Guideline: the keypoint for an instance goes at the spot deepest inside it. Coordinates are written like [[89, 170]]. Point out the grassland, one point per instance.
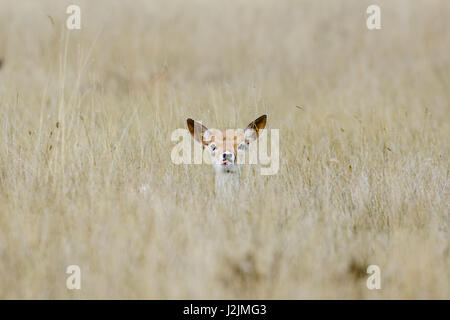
[[86, 118]]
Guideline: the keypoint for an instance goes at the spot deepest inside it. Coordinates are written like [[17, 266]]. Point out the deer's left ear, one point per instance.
[[198, 131], [254, 128]]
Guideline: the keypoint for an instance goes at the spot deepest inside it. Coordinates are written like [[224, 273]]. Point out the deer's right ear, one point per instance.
[[197, 131], [253, 129]]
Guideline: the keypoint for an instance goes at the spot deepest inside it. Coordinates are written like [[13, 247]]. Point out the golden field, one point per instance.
[[86, 118]]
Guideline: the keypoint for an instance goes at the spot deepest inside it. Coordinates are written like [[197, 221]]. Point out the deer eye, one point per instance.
[[213, 147], [242, 146]]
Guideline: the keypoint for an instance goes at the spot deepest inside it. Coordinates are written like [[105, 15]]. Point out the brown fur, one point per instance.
[[229, 140]]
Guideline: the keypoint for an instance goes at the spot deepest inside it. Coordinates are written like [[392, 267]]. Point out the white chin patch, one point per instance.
[[225, 168]]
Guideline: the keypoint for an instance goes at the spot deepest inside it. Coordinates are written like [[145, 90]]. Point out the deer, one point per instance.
[[225, 149]]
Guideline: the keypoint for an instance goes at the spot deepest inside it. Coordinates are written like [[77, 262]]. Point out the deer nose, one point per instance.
[[228, 156]]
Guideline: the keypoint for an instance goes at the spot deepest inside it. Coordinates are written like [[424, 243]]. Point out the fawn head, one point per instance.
[[224, 145]]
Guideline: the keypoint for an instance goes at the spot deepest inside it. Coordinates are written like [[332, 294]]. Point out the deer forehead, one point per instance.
[[227, 140]]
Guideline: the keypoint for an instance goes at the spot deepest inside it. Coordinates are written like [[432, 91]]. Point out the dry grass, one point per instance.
[[86, 117]]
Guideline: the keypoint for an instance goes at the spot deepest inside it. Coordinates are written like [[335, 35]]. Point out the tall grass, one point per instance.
[[86, 118]]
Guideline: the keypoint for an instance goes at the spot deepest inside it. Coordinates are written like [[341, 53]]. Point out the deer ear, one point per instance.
[[253, 129], [197, 131]]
